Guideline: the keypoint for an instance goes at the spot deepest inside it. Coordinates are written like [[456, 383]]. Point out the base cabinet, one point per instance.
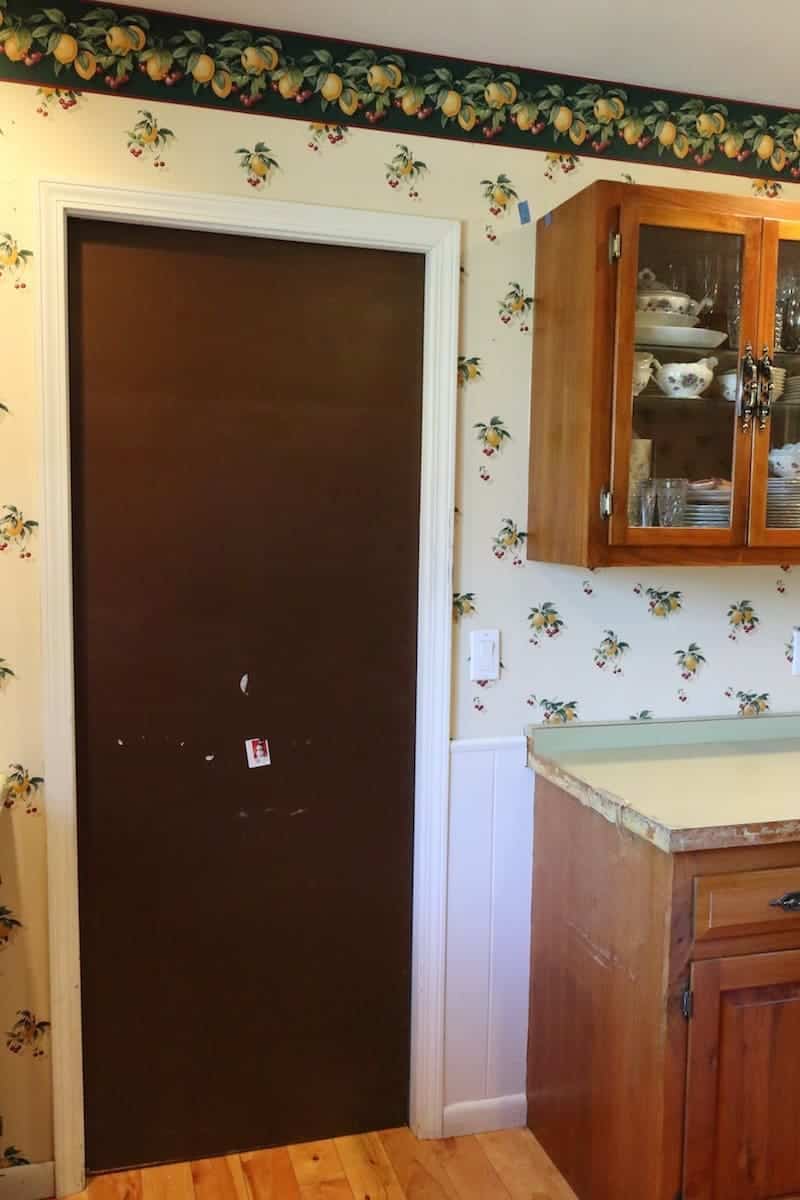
[[664, 1043]]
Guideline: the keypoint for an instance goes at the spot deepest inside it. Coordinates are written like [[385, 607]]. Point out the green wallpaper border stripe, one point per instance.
[[165, 57]]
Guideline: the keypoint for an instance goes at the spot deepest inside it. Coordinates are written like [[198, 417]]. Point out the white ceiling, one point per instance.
[[736, 49]]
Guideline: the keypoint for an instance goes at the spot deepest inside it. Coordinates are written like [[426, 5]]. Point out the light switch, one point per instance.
[[796, 650], [484, 646]]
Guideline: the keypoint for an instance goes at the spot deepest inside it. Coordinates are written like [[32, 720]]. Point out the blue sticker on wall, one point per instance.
[[524, 210]]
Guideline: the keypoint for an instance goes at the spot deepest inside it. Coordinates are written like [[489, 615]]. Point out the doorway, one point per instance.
[[440, 282]]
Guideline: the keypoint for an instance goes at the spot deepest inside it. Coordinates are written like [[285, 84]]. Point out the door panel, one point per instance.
[[743, 1119], [687, 305], [245, 456], [775, 508]]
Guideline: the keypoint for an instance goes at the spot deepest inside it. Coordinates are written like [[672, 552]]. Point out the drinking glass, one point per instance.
[[734, 313], [671, 501], [647, 501]]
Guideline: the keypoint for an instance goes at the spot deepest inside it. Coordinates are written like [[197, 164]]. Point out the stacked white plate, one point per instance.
[[792, 389], [779, 382], [783, 503], [708, 508]]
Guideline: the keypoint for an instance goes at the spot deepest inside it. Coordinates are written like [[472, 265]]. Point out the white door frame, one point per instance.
[[439, 241]]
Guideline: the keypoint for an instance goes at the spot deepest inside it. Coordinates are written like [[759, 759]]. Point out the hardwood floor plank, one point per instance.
[[219, 1179], [120, 1185], [523, 1166], [319, 1171], [170, 1182], [470, 1171], [368, 1169], [419, 1172], [269, 1175]]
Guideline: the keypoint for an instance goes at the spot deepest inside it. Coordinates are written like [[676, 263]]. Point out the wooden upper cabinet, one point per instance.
[[666, 380], [742, 1116]]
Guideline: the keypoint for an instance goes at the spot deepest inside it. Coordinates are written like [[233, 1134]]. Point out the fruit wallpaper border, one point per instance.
[[161, 56]]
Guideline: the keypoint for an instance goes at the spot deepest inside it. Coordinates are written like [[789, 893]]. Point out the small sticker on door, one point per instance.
[[257, 750]]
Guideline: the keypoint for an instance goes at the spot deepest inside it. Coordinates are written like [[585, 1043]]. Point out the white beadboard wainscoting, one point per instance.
[[488, 935]]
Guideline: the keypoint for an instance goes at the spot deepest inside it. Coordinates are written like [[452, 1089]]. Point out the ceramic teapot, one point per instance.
[[643, 367], [686, 381], [656, 299]]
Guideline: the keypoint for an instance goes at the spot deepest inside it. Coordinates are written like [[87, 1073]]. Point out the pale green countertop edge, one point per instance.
[[546, 743]]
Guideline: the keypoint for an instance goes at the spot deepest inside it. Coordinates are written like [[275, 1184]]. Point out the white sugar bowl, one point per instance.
[[686, 381]]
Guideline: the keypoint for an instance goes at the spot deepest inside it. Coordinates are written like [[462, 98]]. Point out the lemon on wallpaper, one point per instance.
[[22, 788], [258, 163]]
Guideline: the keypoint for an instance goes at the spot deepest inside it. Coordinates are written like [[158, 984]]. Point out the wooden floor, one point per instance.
[[391, 1165]]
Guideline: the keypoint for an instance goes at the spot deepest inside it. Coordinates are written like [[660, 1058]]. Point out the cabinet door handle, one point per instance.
[[766, 387], [749, 389], [789, 903]]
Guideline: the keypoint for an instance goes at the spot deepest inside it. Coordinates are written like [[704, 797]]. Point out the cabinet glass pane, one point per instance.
[[685, 375], [783, 485]]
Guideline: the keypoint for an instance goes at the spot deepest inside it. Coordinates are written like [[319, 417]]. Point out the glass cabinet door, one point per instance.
[[775, 505], [687, 306]]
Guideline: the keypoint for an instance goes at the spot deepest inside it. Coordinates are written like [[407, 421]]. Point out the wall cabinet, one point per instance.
[[664, 1034], [665, 420]]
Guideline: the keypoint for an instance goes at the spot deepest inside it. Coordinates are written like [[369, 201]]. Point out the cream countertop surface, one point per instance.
[[683, 785]]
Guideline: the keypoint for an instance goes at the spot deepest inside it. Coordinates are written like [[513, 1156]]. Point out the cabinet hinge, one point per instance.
[[614, 246], [687, 1004], [606, 503]]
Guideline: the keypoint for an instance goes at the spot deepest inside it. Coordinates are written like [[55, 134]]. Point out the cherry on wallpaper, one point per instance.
[[468, 369], [563, 163], [611, 652], [463, 605], [9, 926], [690, 660], [492, 437], [500, 193], [752, 704], [322, 132], [742, 618], [22, 788], [509, 541], [661, 603], [406, 172], [555, 712], [149, 138], [258, 163], [515, 308], [52, 98], [12, 1157], [16, 531], [544, 620], [29, 1032], [13, 260]]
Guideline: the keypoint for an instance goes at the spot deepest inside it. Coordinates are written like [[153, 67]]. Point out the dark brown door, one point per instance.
[[245, 457], [743, 1109]]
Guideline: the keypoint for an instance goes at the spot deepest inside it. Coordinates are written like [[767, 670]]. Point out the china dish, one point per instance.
[[654, 297], [686, 381], [677, 337]]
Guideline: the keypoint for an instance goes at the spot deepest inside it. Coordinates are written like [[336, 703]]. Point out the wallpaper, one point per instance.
[[220, 65], [576, 645]]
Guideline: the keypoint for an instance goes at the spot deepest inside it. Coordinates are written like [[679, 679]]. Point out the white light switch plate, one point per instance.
[[484, 647]]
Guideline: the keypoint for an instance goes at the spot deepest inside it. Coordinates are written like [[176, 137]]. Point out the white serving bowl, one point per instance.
[[729, 385]]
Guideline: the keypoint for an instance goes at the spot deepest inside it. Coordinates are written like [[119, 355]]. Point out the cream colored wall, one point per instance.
[[89, 142]]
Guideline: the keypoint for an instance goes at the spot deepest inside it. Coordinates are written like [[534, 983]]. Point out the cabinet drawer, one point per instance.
[[739, 905]]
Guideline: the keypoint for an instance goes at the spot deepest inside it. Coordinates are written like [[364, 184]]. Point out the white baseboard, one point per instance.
[[34, 1182], [483, 1116]]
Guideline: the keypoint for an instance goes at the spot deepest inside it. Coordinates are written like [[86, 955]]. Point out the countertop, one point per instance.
[[682, 785]]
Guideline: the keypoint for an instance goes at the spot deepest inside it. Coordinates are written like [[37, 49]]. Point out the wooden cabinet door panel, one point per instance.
[[743, 1097]]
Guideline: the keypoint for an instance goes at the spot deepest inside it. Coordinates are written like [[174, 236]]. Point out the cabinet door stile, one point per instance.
[[676, 423]]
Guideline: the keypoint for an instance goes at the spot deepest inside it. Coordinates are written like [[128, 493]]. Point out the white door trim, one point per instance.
[[439, 241]]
